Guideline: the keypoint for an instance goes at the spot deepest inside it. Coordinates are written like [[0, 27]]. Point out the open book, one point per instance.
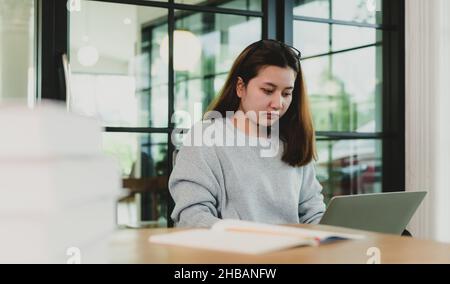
[[237, 236]]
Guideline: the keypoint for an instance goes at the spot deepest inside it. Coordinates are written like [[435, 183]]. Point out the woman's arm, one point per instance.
[[194, 188], [311, 206]]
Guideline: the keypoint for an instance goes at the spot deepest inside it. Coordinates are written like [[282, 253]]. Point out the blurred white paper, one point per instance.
[[46, 130], [58, 190]]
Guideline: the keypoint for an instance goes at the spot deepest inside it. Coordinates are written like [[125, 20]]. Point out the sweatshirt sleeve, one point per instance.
[[194, 187], [311, 206]]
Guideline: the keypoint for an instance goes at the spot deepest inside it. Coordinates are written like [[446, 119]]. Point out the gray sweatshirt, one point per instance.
[[218, 181]]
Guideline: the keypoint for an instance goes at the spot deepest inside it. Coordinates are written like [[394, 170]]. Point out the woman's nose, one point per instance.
[[277, 101]]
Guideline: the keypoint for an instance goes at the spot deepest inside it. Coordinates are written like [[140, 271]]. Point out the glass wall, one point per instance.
[[111, 77], [122, 78], [249, 5], [125, 79], [219, 40], [349, 166], [17, 51], [342, 48], [361, 11]]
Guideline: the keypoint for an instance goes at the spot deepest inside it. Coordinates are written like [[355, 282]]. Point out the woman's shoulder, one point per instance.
[[199, 133], [194, 143], [308, 167]]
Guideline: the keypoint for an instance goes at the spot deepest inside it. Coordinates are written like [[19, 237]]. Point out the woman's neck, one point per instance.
[[247, 126]]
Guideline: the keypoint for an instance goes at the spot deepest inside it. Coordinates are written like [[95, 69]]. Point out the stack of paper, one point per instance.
[[58, 191], [46, 131]]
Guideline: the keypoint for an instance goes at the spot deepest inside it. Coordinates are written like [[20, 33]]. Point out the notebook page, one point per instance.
[[233, 242], [247, 226]]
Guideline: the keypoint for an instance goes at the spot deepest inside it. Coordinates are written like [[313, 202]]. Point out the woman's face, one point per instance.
[[267, 96]]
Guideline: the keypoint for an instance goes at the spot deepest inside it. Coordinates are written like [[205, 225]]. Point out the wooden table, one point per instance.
[[132, 246]]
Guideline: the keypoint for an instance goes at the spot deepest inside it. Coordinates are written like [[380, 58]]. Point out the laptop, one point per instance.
[[380, 212]]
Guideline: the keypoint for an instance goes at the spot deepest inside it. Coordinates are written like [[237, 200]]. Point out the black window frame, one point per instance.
[[392, 135], [277, 23]]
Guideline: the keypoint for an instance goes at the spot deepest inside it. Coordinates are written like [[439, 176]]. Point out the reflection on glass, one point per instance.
[[155, 99], [344, 37], [312, 8], [17, 46], [143, 160], [311, 38], [113, 73], [349, 167], [249, 5], [222, 38], [317, 38], [363, 11], [345, 90]]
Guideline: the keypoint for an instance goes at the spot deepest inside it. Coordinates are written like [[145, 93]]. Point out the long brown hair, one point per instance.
[[296, 125]]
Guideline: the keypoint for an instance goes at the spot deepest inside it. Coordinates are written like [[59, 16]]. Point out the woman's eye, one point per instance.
[[267, 91], [287, 94]]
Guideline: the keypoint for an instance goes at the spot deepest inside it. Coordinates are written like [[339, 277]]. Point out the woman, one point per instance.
[[266, 96]]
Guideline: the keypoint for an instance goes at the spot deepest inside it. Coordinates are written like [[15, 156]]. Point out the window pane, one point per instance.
[[312, 8], [119, 76], [311, 38], [143, 160], [363, 11], [155, 99], [345, 37], [349, 167], [249, 5], [215, 41], [17, 46], [314, 38], [343, 98]]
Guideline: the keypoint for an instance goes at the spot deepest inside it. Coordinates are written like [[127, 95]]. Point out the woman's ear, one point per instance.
[[240, 87]]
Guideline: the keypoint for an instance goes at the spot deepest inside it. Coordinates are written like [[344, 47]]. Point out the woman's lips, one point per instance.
[[272, 115]]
